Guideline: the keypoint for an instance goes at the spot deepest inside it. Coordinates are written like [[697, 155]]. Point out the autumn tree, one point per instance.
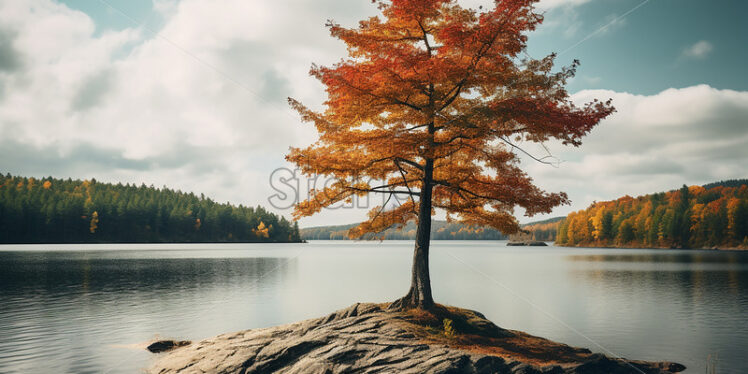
[[433, 105]]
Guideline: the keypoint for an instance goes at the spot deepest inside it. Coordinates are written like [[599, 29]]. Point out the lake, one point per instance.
[[91, 308]]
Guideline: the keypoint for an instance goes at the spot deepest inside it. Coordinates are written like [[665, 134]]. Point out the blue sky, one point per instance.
[[191, 93], [644, 52], [107, 18]]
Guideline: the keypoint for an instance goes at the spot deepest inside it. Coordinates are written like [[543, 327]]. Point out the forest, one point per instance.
[[440, 230], [710, 216], [544, 230], [50, 210]]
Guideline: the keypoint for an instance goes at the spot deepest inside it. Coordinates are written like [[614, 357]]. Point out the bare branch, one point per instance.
[[402, 173], [349, 188], [395, 184], [381, 209], [540, 160], [409, 162]]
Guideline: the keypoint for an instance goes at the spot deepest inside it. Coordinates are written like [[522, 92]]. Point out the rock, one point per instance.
[[369, 338], [166, 345], [528, 243]]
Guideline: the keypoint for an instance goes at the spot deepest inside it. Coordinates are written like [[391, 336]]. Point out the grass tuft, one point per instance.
[[449, 331]]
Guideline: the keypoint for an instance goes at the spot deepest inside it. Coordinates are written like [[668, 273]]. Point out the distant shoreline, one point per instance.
[[80, 243], [740, 248], [127, 243]]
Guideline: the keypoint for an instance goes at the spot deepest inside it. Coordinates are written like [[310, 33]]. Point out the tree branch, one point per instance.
[[409, 162], [540, 160], [380, 191], [391, 99], [473, 64], [458, 188], [402, 173]]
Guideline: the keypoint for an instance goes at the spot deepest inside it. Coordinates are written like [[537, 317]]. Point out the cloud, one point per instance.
[[9, 58], [692, 135], [93, 90], [562, 19], [699, 50]]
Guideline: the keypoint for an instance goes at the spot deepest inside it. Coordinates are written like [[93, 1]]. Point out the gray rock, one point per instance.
[[166, 345], [365, 338]]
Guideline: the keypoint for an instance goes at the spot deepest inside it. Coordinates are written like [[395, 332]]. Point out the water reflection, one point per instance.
[[667, 256], [691, 303], [65, 312], [20, 274]]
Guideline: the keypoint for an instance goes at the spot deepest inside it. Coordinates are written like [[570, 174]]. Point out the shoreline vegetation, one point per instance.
[[713, 216], [372, 338], [66, 211], [440, 230]]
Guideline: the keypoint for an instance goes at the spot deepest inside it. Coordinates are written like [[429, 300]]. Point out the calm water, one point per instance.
[[90, 308]]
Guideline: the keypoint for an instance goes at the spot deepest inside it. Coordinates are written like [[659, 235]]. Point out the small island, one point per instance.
[[527, 243], [374, 338]]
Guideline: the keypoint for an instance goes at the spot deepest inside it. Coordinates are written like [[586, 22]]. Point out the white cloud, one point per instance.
[[698, 50], [692, 135]]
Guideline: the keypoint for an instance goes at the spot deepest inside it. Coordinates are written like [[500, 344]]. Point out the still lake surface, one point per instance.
[[91, 308]]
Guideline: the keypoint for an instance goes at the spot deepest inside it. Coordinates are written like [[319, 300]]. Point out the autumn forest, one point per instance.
[[709, 216]]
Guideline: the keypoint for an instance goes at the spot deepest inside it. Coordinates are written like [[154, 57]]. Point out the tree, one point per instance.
[[432, 106], [607, 224], [682, 225], [94, 222]]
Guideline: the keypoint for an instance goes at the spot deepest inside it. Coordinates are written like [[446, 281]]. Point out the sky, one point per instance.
[[191, 94]]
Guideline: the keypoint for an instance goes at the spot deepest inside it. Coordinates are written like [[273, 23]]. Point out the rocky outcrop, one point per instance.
[[366, 338], [166, 345], [527, 243]]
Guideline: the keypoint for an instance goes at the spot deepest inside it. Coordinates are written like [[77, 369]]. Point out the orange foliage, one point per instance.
[[689, 217], [433, 103], [262, 231], [94, 222]]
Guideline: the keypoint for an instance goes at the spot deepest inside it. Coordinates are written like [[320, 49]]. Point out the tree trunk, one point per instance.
[[419, 295]]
